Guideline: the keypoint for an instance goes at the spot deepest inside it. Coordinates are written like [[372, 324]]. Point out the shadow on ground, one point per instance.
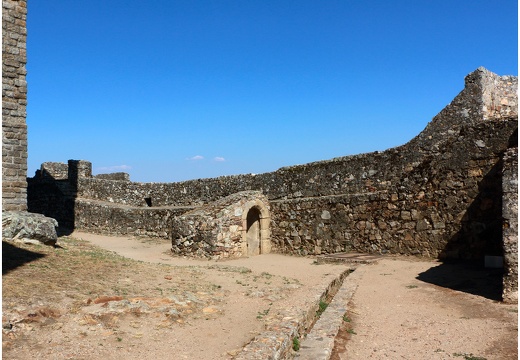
[[13, 257], [466, 277]]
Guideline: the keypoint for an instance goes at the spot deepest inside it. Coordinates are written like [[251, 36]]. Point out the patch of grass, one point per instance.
[[261, 314], [412, 286], [266, 275], [296, 343], [81, 271], [322, 306], [351, 331], [346, 318]]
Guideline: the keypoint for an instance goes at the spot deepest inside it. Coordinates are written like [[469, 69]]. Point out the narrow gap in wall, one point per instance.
[[148, 201]]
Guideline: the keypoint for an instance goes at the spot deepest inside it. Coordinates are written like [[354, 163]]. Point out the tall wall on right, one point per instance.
[[510, 225]]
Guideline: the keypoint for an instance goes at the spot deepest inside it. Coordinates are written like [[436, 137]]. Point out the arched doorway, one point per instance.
[[253, 232], [256, 236]]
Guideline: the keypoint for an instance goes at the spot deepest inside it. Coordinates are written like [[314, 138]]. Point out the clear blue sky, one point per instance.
[[171, 90]]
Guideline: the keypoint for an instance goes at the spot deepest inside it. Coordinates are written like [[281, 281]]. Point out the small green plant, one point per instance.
[[351, 331], [346, 318], [119, 339], [322, 306], [296, 343], [411, 286], [261, 314], [266, 275]]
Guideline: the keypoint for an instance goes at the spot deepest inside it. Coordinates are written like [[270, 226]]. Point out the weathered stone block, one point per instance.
[[29, 228]]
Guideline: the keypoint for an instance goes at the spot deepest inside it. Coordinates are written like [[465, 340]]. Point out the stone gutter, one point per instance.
[[277, 341], [319, 343]]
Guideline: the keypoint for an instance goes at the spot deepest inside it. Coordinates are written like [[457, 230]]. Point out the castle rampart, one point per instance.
[[439, 195]]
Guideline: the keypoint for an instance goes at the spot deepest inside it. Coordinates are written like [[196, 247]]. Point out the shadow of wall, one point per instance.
[[480, 235], [13, 257], [480, 232], [466, 277]]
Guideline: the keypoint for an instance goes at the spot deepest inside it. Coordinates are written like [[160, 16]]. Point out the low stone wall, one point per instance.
[[114, 219]]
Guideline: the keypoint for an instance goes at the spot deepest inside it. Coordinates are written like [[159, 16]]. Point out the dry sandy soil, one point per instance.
[[114, 297], [406, 309]]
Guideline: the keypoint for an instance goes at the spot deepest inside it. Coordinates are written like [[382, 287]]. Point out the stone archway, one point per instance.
[[255, 228]]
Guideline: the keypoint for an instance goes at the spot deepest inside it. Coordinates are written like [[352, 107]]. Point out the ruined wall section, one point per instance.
[[50, 193], [217, 230], [14, 102]]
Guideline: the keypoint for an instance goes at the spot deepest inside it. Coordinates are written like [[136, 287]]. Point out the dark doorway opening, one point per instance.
[[253, 232]]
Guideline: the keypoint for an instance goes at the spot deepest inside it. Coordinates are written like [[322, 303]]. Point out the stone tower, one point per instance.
[[14, 102]]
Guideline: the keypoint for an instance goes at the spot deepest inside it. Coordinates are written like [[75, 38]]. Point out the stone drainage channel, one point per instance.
[[315, 329]]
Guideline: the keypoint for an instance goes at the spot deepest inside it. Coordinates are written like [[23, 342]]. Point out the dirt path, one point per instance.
[[226, 335], [398, 312]]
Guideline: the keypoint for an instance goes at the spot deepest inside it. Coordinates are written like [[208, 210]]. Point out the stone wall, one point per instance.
[[439, 195], [510, 226], [14, 102], [121, 176]]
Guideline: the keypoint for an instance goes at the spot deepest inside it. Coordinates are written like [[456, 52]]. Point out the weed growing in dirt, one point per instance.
[[266, 275], [296, 343], [351, 331], [346, 318], [412, 286], [261, 314], [322, 306]]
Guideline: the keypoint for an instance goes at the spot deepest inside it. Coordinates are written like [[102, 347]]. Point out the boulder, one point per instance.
[[29, 227]]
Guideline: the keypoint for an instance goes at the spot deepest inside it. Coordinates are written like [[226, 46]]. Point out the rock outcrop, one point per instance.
[[29, 228]]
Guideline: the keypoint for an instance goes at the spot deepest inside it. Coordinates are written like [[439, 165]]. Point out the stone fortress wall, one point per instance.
[[451, 192], [440, 195], [14, 102]]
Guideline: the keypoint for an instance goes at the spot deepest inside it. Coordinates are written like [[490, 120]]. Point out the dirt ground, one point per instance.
[[114, 297], [135, 301], [411, 309]]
